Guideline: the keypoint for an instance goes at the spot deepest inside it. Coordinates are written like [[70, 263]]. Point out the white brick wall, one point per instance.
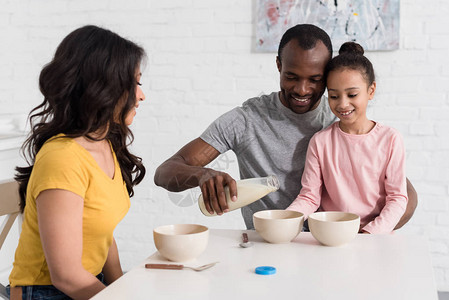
[[201, 64]]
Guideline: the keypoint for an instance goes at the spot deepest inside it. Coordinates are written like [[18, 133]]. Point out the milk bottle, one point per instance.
[[248, 191]]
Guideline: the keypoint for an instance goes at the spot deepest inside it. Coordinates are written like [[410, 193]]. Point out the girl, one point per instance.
[[81, 174], [355, 165]]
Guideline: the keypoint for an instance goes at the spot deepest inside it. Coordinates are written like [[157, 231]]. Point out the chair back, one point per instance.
[[9, 206]]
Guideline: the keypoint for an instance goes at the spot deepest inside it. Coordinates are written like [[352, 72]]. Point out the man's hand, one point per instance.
[[212, 184]]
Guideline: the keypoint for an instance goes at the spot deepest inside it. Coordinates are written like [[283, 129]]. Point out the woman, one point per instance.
[[81, 174]]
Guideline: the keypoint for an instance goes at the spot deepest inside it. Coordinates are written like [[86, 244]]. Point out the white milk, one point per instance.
[[248, 191]]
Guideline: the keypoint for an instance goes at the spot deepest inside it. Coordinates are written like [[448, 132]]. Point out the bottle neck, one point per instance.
[[273, 182]]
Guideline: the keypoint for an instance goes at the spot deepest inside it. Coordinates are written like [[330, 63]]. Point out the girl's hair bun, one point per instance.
[[351, 48]]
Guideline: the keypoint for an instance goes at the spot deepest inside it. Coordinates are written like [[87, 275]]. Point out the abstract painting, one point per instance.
[[374, 24]]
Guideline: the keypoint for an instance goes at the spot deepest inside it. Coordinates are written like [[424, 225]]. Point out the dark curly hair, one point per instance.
[[93, 72], [351, 56]]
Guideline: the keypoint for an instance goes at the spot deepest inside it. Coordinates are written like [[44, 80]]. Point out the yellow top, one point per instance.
[[64, 164]]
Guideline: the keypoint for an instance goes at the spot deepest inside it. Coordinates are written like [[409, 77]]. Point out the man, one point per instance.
[[269, 134]]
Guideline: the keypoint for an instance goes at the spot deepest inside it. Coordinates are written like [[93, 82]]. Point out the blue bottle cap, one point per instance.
[[265, 270]]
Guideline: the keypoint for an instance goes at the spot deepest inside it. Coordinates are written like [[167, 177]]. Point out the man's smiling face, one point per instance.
[[302, 75]]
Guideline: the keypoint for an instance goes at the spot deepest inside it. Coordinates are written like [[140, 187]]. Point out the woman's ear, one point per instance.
[[372, 90]]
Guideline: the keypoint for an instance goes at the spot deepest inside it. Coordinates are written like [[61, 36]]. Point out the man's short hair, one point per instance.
[[307, 35]]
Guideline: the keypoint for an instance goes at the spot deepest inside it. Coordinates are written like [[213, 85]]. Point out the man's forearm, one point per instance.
[[176, 176]]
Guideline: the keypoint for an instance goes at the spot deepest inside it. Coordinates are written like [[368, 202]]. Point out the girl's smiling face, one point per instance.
[[349, 94]]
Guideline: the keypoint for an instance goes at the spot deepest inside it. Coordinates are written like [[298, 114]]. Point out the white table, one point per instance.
[[370, 267]]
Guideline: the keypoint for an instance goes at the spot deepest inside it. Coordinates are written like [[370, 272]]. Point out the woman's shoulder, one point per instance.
[[58, 148], [61, 164]]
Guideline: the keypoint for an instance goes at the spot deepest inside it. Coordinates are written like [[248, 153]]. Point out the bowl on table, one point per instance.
[[278, 226], [181, 242], [333, 228]]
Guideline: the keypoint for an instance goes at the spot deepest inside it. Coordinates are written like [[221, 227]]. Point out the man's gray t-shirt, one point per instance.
[[268, 139]]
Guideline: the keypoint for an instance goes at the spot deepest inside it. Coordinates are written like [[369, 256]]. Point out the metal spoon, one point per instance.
[[245, 243]]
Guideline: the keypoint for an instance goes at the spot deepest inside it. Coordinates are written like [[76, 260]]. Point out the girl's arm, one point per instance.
[[396, 191], [60, 217], [411, 205], [112, 269], [309, 198]]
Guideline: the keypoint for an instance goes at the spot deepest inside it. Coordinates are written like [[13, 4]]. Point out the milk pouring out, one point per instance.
[[248, 191]]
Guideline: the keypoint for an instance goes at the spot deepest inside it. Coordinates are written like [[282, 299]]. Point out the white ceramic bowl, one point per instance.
[[332, 228], [278, 226], [181, 242]]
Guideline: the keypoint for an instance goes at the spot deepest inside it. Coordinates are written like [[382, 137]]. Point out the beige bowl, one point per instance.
[[278, 226], [181, 242], [333, 228]]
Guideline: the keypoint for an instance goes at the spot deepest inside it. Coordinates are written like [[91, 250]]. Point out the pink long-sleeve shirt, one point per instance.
[[363, 174]]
